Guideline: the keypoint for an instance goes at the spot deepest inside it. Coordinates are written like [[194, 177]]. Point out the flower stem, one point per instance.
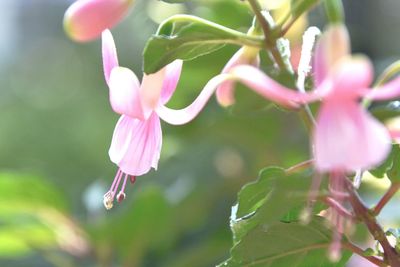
[[394, 187], [270, 41], [361, 211]]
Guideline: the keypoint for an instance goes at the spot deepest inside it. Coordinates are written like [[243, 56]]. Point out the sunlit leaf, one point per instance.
[[187, 37], [285, 244]]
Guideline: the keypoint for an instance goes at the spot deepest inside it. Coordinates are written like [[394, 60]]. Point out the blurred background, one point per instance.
[[56, 126]]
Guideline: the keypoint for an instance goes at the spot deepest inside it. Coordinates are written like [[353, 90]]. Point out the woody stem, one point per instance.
[[362, 212]]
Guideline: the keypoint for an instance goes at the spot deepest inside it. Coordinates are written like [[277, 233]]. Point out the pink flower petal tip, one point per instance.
[[85, 20]]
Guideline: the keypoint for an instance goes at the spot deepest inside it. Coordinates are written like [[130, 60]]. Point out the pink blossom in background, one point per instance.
[[137, 138], [85, 20], [346, 137]]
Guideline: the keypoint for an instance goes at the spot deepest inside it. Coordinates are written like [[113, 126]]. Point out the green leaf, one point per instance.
[[299, 7], [394, 172], [269, 199], [285, 244], [386, 110], [334, 11], [390, 166], [187, 37]]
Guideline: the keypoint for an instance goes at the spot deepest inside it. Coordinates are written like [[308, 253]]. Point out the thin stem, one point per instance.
[[394, 187], [269, 41], [360, 252], [374, 228]]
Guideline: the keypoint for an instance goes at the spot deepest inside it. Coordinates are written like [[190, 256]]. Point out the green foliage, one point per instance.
[[386, 110], [188, 37], [265, 226], [334, 11], [390, 166], [32, 214], [285, 244]]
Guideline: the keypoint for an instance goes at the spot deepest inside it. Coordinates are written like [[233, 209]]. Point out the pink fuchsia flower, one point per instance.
[[346, 137], [85, 20], [137, 138]]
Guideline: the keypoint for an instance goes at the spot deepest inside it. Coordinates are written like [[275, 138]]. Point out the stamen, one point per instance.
[[121, 195], [108, 198]]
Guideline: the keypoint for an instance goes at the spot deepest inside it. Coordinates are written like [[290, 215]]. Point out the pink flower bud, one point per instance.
[[85, 20]]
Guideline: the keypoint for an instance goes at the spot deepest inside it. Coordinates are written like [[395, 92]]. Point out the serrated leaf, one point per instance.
[[269, 199], [285, 244], [187, 37]]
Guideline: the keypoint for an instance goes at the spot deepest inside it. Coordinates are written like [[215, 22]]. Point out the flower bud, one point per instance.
[[85, 20]]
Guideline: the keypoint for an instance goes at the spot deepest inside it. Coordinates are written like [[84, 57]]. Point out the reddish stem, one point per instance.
[[394, 187]]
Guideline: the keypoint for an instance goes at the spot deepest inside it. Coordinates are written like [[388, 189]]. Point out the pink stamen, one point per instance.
[[111, 194]]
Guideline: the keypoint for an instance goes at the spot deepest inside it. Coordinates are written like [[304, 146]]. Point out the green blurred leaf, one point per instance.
[[334, 11], [390, 166], [20, 193], [386, 110], [285, 244], [187, 37], [148, 225]]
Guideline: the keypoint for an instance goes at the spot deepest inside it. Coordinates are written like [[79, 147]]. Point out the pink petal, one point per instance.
[[150, 89], [348, 138], [136, 144], [178, 117], [386, 92], [256, 80], [109, 52], [124, 93], [225, 92], [172, 75], [351, 76], [331, 47], [86, 19]]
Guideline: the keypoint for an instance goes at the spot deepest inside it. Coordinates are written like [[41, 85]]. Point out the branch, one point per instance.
[[270, 42], [394, 187], [374, 228], [360, 252]]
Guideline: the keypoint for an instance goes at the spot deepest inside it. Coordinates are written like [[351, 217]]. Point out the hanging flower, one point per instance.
[[137, 138], [85, 20], [346, 137]]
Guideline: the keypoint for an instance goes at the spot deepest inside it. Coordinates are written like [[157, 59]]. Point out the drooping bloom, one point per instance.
[[137, 138], [346, 138], [85, 20]]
